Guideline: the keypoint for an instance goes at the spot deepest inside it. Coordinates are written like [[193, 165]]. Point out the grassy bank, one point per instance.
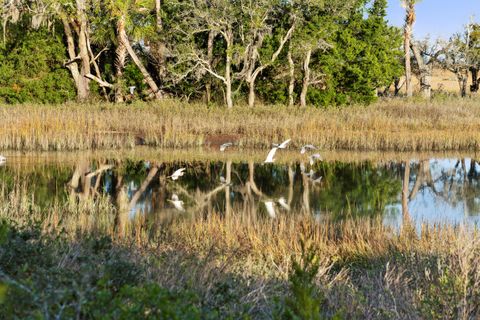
[[395, 125], [75, 260]]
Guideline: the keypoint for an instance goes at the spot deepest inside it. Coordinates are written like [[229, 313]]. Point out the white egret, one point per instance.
[[225, 146], [177, 203], [271, 155], [282, 145], [307, 147], [177, 174], [2, 159], [283, 203], [270, 205]]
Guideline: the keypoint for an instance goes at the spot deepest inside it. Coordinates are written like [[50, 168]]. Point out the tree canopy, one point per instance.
[[327, 52]]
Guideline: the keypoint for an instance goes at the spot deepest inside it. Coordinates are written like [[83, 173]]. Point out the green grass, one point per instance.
[[392, 125]]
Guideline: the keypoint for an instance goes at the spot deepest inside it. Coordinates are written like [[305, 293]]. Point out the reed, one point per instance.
[[390, 125]]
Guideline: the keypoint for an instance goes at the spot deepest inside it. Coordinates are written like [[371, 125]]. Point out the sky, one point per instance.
[[436, 18]]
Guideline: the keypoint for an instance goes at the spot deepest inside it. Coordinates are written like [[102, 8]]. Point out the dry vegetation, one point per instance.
[[393, 125], [242, 263]]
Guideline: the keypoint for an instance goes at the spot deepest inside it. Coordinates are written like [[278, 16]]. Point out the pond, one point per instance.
[[434, 190]]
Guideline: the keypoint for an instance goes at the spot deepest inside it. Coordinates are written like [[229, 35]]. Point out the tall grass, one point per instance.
[[393, 125], [363, 268]]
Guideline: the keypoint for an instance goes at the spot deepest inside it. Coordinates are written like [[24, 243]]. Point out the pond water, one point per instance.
[[430, 190]]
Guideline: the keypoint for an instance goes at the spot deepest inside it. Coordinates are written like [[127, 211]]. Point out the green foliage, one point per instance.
[[305, 299], [46, 276], [439, 301], [144, 302], [32, 71], [365, 56]]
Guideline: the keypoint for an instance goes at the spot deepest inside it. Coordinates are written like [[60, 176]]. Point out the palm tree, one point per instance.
[[122, 12], [409, 6]]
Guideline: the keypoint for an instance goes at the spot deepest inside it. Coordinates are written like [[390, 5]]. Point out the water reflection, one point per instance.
[[428, 190]]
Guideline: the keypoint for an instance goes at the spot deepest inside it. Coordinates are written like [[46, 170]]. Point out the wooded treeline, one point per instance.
[[290, 52], [329, 52]]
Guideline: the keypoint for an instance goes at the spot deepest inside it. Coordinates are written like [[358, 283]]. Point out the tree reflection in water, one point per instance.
[[140, 189]]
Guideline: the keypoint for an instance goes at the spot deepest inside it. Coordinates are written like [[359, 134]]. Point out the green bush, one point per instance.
[[31, 69]]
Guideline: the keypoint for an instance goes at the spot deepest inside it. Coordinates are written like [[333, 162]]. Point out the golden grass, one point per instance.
[[393, 125], [401, 273]]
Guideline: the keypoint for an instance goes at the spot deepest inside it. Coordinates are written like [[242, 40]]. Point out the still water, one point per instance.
[[436, 190]]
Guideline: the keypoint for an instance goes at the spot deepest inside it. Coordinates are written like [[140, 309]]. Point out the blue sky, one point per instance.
[[437, 18]]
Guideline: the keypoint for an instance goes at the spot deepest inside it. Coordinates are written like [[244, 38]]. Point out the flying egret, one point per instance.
[[177, 203], [271, 155], [307, 147], [283, 203], [225, 146], [282, 145], [177, 174], [270, 205], [315, 157]]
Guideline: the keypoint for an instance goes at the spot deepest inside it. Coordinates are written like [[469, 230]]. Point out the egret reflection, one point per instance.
[[425, 190]]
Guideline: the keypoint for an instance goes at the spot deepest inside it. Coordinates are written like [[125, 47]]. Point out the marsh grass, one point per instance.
[[393, 125], [241, 264]]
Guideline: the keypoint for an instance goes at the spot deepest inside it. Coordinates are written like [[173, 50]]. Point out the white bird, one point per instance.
[[282, 145], [271, 155], [307, 147], [177, 174], [2, 159], [315, 157], [177, 203], [270, 205], [225, 146], [283, 203], [223, 180]]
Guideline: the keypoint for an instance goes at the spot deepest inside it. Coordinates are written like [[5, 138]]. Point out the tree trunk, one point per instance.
[[81, 83], [228, 178], [158, 47], [306, 79], [405, 192], [475, 85], [251, 93], [409, 21], [228, 70], [208, 86], [462, 78], [120, 59], [83, 48], [72, 65], [291, 85], [425, 73], [146, 76]]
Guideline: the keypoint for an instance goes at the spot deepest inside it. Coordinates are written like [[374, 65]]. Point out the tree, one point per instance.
[[454, 57], [426, 56], [259, 24], [407, 35], [122, 13]]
